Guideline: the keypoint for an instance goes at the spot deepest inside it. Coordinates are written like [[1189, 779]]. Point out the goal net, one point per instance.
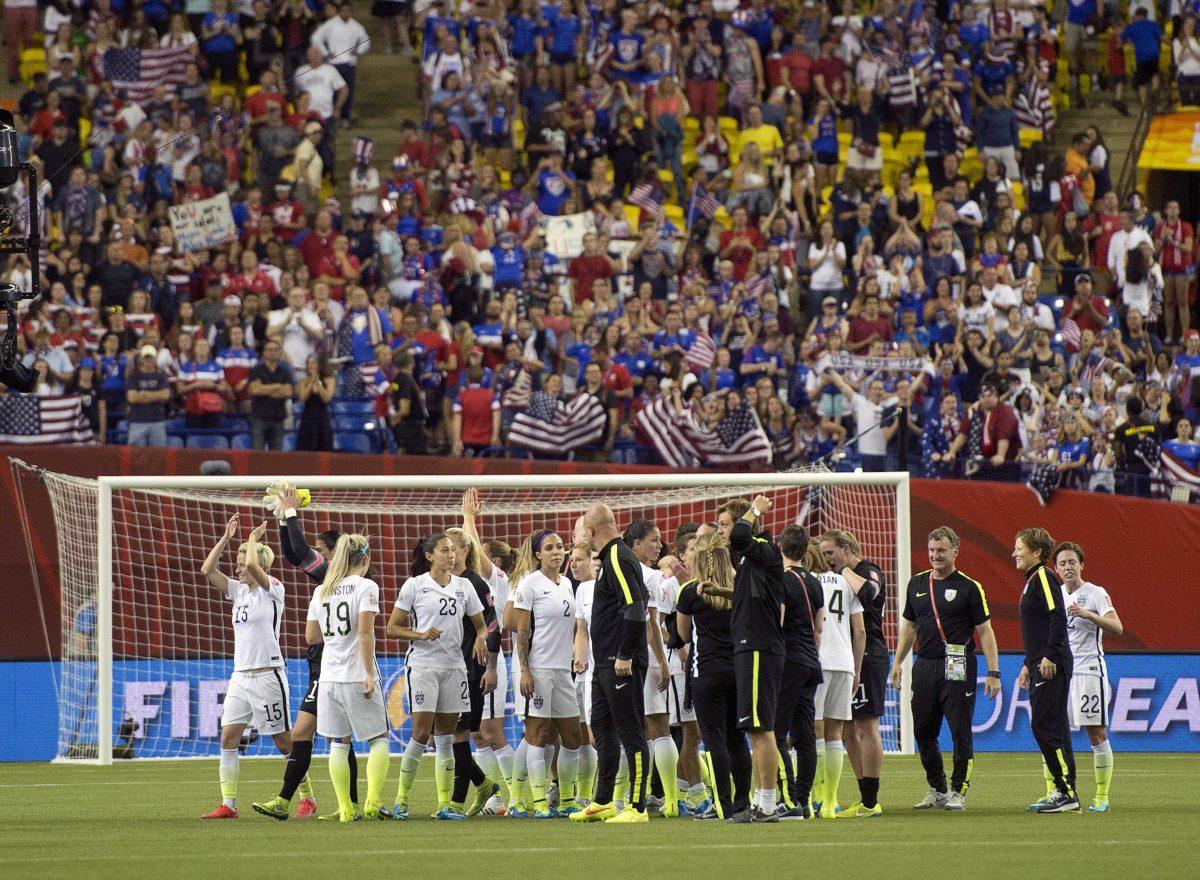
[[147, 644]]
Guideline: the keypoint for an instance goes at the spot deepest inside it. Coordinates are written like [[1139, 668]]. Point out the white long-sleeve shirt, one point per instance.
[[342, 41]]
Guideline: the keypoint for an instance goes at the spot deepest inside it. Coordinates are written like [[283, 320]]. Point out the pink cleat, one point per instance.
[[221, 812], [307, 808]]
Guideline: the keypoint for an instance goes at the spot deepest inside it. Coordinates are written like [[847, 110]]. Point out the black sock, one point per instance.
[[477, 775], [462, 771], [862, 789], [353, 775], [297, 766], [869, 786]]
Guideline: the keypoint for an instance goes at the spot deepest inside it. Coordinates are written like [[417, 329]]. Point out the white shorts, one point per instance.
[[677, 711], [583, 696], [653, 699], [443, 691], [833, 695], [1088, 703], [553, 695], [495, 703], [342, 710], [258, 697]]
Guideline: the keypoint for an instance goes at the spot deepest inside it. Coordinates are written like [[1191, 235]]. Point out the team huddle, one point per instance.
[[727, 676]]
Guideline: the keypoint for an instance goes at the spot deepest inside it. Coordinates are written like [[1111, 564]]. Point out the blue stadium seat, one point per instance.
[[289, 441], [198, 440], [174, 441], [241, 441], [344, 441], [177, 426], [354, 406], [354, 423], [235, 424]]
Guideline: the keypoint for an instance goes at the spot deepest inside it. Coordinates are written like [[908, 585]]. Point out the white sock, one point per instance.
[[516, 791], [410, 763], [229, 777], [754, 798], [443, 747], [766, 800], [486, 759], [504, 758], [568, 769], [537, 773]]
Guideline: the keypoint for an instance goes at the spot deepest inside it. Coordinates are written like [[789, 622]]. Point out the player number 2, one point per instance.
[[835, 605], [566, 608]]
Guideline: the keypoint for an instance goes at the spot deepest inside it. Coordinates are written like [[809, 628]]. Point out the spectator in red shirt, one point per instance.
[[587, 267], [251, 277], [1099, 228], [317, 246], [1174, 239], [268, 93], [739, 243], [830, 79], [990, 433], [286, 213], [868, 326], [475, 424], [1088, 311], [615, 377]]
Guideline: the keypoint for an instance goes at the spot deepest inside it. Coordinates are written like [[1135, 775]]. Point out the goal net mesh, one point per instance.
[[172, 640]]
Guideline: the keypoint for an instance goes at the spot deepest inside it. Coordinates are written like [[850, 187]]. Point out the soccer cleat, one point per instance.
[[399, 811], [858, 811], [1098, 806], [547, 813], [934, 800], [348, 816], [629, 817], [483, 793], [956, 802], [796, 813], [670, 810], [1037, 805], [380, 813], [754, 816], [275, 808], [552, 795], [1059, 803], [221, 812], [703, 807], [568, 811], [307, 808], [706, 815], [449, 814], [653, 804], [518, 811], [595, 813], [816, 807], [829, 811]]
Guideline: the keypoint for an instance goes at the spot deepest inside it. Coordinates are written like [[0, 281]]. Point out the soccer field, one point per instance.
[[142, 820]]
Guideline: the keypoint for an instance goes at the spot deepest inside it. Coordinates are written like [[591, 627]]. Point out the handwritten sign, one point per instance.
[[203, 224]]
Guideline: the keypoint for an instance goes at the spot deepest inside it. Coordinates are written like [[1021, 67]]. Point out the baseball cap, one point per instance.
[[148, 351], [829, 300], [232, 300], [1082, 277], [1191, 334]]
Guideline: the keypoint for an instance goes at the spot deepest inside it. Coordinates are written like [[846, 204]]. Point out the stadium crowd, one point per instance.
[[860, 226]]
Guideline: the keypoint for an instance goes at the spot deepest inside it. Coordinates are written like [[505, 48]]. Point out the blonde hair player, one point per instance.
[[258, 689], [1090, 614], [437, 673], [350, 699]]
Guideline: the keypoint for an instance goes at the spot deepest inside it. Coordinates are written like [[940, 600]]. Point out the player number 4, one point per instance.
[[835, 605]]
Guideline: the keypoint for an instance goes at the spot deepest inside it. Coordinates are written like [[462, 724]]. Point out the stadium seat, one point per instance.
[[356, 406], [289, 441], [197, 440], [1030, 136], [174, 441], [345, 441], [241, 441], [353, 423], [235, 424]]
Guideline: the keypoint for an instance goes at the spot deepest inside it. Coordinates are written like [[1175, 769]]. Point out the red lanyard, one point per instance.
[[933, 604]]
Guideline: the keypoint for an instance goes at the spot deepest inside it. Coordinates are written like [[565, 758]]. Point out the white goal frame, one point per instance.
[[751, 481]]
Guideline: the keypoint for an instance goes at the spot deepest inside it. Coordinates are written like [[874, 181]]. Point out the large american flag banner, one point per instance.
[[1178, 476], [138, 72], [27, 419], [550, 427], [738, 441]]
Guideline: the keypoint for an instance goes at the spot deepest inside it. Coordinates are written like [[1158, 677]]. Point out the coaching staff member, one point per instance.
[[945, 610], [758, 646], [1048, 666], [618, 636]]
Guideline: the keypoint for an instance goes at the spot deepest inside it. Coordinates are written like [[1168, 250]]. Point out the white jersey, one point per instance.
[[668, 596], [552, 612], [837, 648], [257, 614], [337, 616], [653, 578], [498, 584], [429, 604], [583, 611], [1087, 646]]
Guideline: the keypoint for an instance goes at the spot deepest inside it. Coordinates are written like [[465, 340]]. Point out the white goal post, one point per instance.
[[161, 646]]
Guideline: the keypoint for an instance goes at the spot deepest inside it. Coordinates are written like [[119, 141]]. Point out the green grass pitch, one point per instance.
[[142, 820]]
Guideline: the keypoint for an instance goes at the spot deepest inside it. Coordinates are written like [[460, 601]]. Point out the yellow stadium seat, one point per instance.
[[689, 157], [1030, 136], [219, 90], [632, 214], [1018, 195], [85, 131], [665, 175], [826, 192], [691, 123], [722, 216], [250, 90], [728, 125], [505, 177], [33, 61], [845, 138], [674, 212]]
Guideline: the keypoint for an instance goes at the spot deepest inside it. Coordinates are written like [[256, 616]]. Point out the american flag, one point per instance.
[[1070, 332], [138, 72], [1095, 365], [1177, 475], [704, 203], [27, 419], [648, 198], [551, 428], [737, 442], [757, 285], [701, 354]]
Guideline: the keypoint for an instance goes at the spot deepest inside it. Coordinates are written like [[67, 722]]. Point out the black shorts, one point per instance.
[[468, 722], [1144, 72], [309, 703], [563, 58], [827, 159], [390, 8], [870, 698], [758, 675]]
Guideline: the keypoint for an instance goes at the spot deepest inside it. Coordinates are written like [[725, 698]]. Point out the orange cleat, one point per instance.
[[306, 809], [221, 812]]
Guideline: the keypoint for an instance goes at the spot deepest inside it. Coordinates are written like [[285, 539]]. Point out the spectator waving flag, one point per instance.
[[551, 428], [1177, 474], [1070, 332], [27, 419], [738, 441], [1095, 365], [701, 354], [136, 73], [704, 204]]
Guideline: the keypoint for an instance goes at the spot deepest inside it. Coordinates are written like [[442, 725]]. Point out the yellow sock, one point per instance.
[[229, 776], [835, 755], [818, 787], [1102, 763], [410, 763], [377, 769], [305, 787], [339, 774], [443, 768]]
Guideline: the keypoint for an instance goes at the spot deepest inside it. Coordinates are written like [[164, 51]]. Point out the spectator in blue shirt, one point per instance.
[[1146, 37], [1081, 15], [220, 37], [1183, 447], [720, 376], [765, 359], [994, 75], [555, 185], [508, 262], [673, 336]]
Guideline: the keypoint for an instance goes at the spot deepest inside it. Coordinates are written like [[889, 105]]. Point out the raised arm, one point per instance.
[[209, 569], [471, 507], [253, 568]]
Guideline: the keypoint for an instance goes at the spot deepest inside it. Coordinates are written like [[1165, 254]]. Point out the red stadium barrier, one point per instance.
[[1140, 550]]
